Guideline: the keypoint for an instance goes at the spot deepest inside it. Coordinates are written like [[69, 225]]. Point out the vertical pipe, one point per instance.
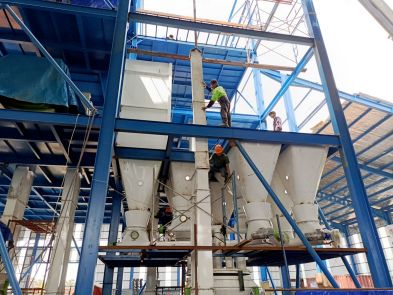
[[235, 207], [375, 256], [9, 268], [96, 209], [295, 227]]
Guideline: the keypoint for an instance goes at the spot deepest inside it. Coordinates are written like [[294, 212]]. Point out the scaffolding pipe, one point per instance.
[[86, 103], [292, 222]]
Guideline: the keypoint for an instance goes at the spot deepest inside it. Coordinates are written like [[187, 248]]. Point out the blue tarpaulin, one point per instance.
[[34, 80]]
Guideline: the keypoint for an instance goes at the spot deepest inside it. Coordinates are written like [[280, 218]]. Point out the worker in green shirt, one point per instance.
[[218, 94], [219, 162]]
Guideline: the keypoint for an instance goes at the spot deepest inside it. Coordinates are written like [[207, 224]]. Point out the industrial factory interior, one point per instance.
[[179, 147]]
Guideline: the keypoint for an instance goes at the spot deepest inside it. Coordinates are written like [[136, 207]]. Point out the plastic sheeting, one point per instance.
[[34, 80]]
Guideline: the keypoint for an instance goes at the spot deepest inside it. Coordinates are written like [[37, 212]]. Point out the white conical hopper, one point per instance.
[[179, 191], [258, 210], [139, 181], [300, 169]]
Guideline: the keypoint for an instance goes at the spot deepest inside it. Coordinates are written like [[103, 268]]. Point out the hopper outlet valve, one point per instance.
[[265, 235]]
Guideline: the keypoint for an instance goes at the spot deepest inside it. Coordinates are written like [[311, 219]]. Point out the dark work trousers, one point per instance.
[[214, 169], [225, 111]]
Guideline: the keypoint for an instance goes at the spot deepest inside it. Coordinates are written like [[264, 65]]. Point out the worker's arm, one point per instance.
[[215, 96]]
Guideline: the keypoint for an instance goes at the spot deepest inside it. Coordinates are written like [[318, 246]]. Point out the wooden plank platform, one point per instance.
[[134, 256]]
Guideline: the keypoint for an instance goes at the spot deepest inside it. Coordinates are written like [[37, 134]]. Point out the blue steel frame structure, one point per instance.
[[108, 123]]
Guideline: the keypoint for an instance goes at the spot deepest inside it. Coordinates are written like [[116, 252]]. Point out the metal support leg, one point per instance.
[[375, 256], [285, 280], [298, 276], [95, 214], [9, 268], [119, 281], [297, 230]]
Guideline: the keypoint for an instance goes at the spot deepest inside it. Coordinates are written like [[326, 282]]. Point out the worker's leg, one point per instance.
[[224, 114], [212, 171]]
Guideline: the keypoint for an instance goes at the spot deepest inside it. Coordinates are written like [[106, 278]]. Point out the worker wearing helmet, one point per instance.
[[219, 94], [219, 162]]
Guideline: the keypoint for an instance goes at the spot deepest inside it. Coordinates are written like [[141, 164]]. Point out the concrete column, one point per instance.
[[151, 281], [17, 198], [63, 235], [202, 262]]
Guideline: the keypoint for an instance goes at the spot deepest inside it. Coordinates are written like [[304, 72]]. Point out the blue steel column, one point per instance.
[[375, 255], [112, 239], [256, 73], [95, 214], [285, 279]]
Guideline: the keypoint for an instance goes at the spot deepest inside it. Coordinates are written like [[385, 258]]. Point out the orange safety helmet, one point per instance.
[[218, 149]]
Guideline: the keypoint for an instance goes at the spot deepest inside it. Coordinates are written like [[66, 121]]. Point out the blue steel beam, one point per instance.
[[202, 131], [287, 216], [368, 168], [375, 256], [380, 105], [285, 86], [201, 26], [175, 129], [95, 213]]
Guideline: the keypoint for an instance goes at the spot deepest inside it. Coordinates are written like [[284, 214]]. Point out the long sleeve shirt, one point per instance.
[[218, 94]]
